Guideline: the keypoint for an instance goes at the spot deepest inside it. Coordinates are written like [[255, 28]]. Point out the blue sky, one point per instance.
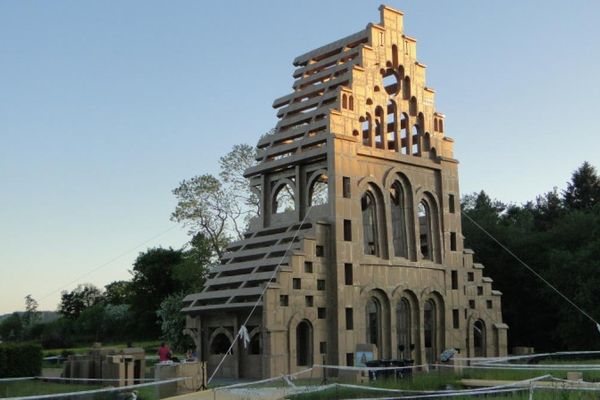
[[106, 106]]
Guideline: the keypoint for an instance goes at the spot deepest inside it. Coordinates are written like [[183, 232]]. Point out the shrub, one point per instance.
[[20, 359]]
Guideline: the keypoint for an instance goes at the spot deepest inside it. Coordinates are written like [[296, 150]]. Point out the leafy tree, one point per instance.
[[73, 303], [31, 315], [11, 328], [583, 192], [152, 282], [118, 292], [118, 322], [219, 208], [191, 272], [90, 322], [172, 322]]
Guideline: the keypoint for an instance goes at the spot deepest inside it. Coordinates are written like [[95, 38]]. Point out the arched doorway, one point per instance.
[[479, 344], [304, 348], [430, 331], [373, 322]]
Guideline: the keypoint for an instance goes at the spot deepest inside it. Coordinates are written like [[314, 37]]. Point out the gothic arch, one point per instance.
[[377, 314], [293, 323], [217, 334], [434, 321], [374, 225], [276, 191], [428, 225], [407, 323], [318, 188]]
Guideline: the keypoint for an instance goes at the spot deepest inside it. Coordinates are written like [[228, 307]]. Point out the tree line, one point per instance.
[[558, 236]]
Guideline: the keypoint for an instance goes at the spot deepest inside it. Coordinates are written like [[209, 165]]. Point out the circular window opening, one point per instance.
[[390, 82]]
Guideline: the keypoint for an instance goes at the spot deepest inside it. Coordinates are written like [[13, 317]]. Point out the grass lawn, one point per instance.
[[36, 387]]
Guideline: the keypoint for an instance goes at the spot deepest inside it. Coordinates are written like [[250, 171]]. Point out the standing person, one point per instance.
[[164, 352]]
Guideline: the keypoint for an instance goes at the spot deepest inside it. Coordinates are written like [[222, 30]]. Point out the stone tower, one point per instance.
[[360, 225]]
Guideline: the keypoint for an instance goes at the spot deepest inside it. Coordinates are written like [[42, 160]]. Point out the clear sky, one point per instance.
[[105, 106]]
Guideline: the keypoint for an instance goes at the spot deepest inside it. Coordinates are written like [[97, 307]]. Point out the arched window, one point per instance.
[[406, 88], [366, 130], [415, 141], [435, 124], [220, 344], [351, 102], [441, 125], [373, 322], [479, 338], [394, 56], [344, 100], [425, 230], [430, 330], [379, 127], [304, 348], [412, 106], [392, 137], [404, 137], [399, 236], [403, 328], [369, 217], [318, 191], [390, 82], [283, 199], [255, 346], [427, 142]]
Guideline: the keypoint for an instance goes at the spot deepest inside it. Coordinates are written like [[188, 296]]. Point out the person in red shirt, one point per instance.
[[164, 352]]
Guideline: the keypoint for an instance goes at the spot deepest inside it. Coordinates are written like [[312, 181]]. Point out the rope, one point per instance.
[[532, 271], [261, 295]]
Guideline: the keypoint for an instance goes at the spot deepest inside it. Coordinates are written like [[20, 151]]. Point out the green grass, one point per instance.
[[36, 387]]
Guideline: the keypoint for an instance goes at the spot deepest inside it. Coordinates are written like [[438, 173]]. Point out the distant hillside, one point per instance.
[[46, 316]]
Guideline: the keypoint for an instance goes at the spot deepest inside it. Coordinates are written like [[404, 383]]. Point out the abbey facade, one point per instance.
[[359, 237]]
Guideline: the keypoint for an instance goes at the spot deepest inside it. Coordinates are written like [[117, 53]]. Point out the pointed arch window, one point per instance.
[[403, 328], [369, 219], [284, 199], [399, 236], [318, 191], [424, 213]]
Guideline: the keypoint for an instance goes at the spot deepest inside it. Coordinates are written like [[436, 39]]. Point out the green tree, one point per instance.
[[191, 272], [31, 316], [219, 208], [172, 322], [73, 303], [11, 328], [118, 292], [583, 191], [153, 281]]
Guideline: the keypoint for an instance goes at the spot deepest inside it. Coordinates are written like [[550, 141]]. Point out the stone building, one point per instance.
[[360, 205]]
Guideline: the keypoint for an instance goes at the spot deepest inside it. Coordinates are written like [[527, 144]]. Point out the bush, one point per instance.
[[20, 359]]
